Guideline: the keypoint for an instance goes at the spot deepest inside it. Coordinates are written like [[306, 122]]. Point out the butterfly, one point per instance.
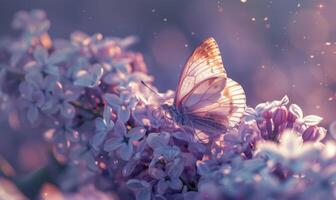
[[206, 99]]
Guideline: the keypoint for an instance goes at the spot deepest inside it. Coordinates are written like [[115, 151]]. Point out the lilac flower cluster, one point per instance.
[[85, 94]]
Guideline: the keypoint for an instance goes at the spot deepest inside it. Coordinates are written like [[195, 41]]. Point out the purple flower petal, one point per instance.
[[32, 67], [107, 113], [177, 169], [120, 129], [98, 139], [126, 151], [113, 144], [162, 186], [123, 114], [175, 184], [169, 152], [57, 57], [41, 54], [70, 95], [136, 184], [35, 79], [156, 140], [38, 98], [32, 114], [112, 100], [136, 133], [100, 125], [67, 110], [52, 70], [157, 173], [203, 168], [144, 195], [26, 90], [129, 167]]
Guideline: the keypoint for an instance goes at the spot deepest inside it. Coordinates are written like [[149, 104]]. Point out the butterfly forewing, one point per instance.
[[203, 64]]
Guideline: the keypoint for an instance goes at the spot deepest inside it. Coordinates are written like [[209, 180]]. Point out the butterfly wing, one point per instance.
[[207, 110], [205, 63], [205, 96]]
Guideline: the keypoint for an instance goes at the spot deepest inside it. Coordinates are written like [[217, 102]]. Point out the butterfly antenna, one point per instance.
[[151, 89]]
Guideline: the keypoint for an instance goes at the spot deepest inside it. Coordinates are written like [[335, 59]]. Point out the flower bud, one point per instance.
[[291, 118], [311, 133], [280, 116], [267, 114]]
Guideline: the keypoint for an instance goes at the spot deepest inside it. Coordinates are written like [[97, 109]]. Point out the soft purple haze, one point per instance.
[[80, 101]]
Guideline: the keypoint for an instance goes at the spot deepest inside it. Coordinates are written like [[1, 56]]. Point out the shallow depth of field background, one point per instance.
[[271, 47]]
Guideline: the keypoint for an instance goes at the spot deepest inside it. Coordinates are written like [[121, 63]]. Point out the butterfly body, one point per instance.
[[175, 114], [206, 99]]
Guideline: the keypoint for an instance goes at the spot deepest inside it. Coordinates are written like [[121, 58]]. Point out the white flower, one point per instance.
[[309, 120], [290, 147], [256, 114]]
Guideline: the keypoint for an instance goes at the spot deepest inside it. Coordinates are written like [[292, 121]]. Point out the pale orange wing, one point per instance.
[[222, 109], [203, 64]]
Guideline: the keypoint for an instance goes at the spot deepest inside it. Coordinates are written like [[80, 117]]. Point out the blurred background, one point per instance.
[[272, 48]]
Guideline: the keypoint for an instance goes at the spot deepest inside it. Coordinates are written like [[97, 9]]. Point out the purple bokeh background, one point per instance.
[[272, 48]]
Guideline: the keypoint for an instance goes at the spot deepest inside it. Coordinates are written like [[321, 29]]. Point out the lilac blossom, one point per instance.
[[34, 22], [108, 129], [35, 94], [272, 118], [123, 104], [90, 77], [43, 62], [103, 126], [62, 99], [122, 140], [168, 178]]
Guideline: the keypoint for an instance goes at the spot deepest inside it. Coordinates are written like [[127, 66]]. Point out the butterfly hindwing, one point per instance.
[[233, 95], [226, 110]]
